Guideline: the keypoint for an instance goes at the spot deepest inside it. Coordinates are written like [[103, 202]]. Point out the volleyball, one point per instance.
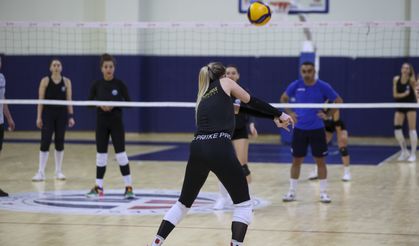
[[259, 13]]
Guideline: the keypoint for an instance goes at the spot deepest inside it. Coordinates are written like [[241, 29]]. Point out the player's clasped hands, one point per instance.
[[284, 121]]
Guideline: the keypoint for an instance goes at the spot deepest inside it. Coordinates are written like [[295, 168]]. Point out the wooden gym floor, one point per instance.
[[380, 206]]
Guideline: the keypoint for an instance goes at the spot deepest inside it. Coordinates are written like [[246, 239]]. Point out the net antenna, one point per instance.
[[281, 8]]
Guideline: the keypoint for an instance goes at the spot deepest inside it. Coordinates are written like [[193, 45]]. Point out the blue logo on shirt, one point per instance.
[[63, 88], [114, 92]]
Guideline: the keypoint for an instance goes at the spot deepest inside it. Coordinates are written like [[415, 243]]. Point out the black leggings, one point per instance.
[[54, 121], [216, 155], [110, 124]]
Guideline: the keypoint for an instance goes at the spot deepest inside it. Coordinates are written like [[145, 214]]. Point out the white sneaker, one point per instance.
[[38, 177], [289, 197], [59, 176], [412, 158], [403, 155], [313, 174], [346, 177], [324, 198]]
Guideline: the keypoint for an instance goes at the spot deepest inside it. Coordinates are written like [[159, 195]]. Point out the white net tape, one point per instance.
[[192, 104]]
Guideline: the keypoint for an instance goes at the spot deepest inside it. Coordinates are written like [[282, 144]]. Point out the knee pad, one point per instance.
[[397, 127], [243, 212], [101, 159], [176, 213], [344, 151], [246, 170], [338, 123], [59, 147], [122, 158]]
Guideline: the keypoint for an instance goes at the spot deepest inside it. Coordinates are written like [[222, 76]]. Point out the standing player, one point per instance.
[[404, 92], [52, 119], [335, 124], [109, 124], [240, 139], [211, 150], [4, 109], [309, 128]]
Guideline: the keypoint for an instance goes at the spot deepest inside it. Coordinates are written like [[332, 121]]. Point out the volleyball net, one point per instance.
[[358, 58], [348, 39]]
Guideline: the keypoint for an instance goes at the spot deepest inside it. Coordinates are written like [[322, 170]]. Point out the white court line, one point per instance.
[[388, 159]]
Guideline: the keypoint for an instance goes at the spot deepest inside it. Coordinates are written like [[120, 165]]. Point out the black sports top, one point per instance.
[[215, 111], [112, 90], [56, 92], [400, 87]]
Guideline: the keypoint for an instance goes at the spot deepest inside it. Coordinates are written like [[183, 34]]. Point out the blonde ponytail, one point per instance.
[[203, 85]]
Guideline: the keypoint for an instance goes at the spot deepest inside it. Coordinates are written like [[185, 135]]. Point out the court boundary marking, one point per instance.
[[216, 228]]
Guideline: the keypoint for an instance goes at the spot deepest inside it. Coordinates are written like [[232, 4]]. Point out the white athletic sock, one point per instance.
[[157, 241], [99, 182], [413, 141], [346, 169], [293, 184], [127, 180], [59, 155], [43, 159], [223, 191], [235, 243], [398, 134], [323, 185]]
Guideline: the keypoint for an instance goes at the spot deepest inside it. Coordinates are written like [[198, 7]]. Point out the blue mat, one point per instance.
[[272, 153], [275, 153]]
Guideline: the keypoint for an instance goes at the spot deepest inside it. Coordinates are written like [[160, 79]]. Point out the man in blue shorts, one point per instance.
[[309, 128]]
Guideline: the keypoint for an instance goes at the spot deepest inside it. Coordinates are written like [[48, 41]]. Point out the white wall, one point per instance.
[[227, 10], [199, 42], [185, 10], [69, 10]]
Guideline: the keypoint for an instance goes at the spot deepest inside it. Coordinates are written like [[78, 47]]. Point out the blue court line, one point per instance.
[[264, 153]]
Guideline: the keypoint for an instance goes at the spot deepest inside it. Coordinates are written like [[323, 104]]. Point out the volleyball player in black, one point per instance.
[[404, 86], [109, 124], [53, 119], [244, 125], [4, 113], [333, 123], [212, 150]]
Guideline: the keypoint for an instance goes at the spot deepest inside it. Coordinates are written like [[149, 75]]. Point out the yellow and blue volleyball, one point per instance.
[[259, 13]]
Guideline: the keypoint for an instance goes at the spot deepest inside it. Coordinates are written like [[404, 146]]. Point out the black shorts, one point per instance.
[[1, 136], [405, 110], [330, 125], [240, 133], [303, 138]]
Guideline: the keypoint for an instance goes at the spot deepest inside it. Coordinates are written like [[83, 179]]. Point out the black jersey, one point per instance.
[[112, 90], [55, 91], [400, 87], [215, 111]]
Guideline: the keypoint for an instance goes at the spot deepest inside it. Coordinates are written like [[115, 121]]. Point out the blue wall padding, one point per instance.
[[169, 78]]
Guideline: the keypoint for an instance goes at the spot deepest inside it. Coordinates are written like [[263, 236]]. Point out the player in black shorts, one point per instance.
[[4, 113], [109, 124], [53, 119], [404, 86], [244, 124], [212, 150], [335, 124]]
